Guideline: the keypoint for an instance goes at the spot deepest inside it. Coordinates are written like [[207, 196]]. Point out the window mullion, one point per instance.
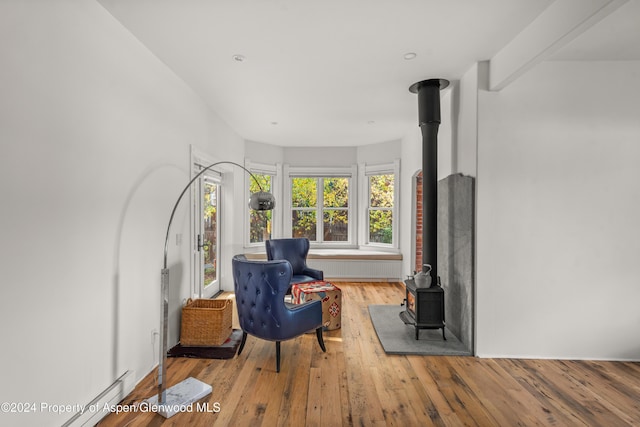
[[320, 210]]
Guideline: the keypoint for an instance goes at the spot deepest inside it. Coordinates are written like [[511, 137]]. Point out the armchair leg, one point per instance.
[[320, 339], [277, 356], [244, 339]]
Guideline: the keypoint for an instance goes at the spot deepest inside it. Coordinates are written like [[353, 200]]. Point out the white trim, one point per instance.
[[321, 172], [380, 169], [211, 289], [286, 209], [99, 407], [200, 160], [278, 186], [261, 168]]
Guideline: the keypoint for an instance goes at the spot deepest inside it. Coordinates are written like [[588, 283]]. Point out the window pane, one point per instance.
[[303, 224], [336, 192], [264, 180], [209, 245], [304, 192], [259, 221], [381, 191], [380, 226], [260, 226], [335, 222]]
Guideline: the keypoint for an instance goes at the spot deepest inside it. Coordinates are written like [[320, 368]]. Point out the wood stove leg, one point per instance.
[[417, 332], [443, 337]]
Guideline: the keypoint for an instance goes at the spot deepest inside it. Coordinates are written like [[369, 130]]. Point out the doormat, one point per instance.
[[226, 350], [398, 338]]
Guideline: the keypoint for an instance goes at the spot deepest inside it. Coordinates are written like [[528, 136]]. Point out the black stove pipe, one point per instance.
[[429, 120]]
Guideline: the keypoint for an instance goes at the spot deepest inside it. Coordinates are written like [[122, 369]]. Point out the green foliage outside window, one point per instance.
[[336, 192], [336, 214], [304, 224], [334, 210], [304, 192], [381, 188], [260, 221], [304, 199], [210, 227]]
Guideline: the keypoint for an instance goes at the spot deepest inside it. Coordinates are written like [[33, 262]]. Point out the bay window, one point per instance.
[[334, 207]]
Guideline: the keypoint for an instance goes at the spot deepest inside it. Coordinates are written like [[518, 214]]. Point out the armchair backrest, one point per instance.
[[294, 250], [260, 288]]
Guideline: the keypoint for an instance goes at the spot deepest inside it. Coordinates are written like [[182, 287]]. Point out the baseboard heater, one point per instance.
[[351, 265], [112, 395], [358, 270]]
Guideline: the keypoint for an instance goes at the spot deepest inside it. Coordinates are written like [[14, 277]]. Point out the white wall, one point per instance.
[[320, 156], [323, 156], [95, 135], [260, 152], [558, 240], [380, 153]]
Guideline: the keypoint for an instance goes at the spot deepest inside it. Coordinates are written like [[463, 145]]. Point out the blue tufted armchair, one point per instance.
[[295, 251], [260, 287]]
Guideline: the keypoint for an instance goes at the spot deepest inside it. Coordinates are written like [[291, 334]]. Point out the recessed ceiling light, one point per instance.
[[410, 55], [238, 58], [274, 123]]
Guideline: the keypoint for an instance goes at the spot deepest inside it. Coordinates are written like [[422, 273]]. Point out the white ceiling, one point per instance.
[[332, 72]]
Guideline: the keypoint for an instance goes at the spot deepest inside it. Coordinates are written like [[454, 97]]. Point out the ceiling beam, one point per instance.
[[556, 26]]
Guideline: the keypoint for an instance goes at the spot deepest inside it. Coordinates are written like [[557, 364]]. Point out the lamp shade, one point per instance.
[[262, 201]]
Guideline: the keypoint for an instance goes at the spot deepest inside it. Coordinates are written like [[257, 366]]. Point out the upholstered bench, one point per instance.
[[328, 293]]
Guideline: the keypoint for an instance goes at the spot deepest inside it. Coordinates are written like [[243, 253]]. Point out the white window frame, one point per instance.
[[350, 173], [199, 161], [275, 170], [366, 171]]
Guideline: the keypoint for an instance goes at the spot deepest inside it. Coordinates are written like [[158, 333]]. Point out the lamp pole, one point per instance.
[[189, 390]]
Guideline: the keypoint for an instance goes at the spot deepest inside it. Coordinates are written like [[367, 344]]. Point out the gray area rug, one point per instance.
[[398, 338]]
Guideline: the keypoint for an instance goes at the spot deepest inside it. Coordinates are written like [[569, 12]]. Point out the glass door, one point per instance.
[[207, 236]]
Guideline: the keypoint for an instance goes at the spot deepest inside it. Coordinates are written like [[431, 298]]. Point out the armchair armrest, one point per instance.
[[305, 316]]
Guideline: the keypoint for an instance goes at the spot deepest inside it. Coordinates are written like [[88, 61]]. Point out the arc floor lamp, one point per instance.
[[176, 399]]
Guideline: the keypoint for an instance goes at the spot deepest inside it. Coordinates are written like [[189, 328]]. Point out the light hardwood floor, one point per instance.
[[356, 384]]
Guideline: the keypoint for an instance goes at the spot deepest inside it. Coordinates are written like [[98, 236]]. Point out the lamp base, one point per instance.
[[180, 397]]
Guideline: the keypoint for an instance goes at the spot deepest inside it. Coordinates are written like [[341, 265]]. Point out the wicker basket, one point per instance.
[[205, 322]]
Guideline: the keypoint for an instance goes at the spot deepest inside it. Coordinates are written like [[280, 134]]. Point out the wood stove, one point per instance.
[[425, 307]]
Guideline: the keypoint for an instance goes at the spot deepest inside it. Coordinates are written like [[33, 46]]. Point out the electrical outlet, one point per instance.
[[154, 335]]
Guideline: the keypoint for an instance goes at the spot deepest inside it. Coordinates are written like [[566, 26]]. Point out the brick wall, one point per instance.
[[418, 260]]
